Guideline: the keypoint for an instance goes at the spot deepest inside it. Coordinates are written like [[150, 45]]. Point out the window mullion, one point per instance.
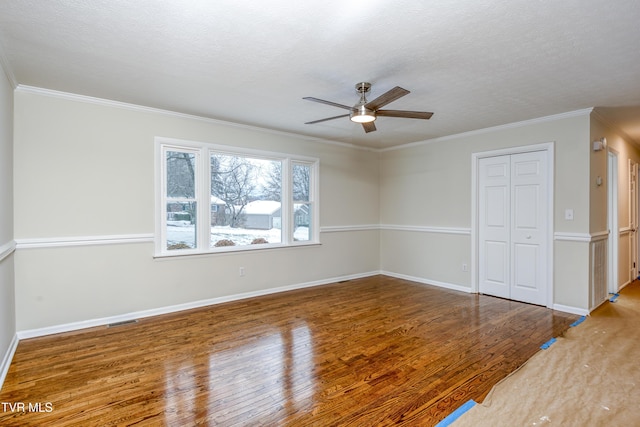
[[204, 200], [161, 197], [314, 199], [287, 207]]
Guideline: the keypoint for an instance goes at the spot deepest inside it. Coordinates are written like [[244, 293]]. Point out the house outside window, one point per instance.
[[214, 198]]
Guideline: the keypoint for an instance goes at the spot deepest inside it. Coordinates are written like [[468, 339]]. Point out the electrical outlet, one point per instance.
[[241, 271]]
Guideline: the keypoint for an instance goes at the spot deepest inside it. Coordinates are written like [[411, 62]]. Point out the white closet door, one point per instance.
[[529, 227], [513, 227], [495, 228]]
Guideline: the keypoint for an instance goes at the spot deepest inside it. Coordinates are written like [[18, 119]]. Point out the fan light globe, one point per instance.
[[362, 115]]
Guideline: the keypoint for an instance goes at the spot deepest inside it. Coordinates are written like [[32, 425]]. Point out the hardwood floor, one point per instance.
[[368, 352]]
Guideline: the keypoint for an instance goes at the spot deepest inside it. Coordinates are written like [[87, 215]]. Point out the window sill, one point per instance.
[[232, 250]]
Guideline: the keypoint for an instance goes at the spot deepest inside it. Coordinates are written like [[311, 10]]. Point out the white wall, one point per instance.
[[86, 169], [426, 189], [7, 298]]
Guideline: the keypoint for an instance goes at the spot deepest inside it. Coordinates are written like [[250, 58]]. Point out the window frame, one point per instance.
[[203, 152]]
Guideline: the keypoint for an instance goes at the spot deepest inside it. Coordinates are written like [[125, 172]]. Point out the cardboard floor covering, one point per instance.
[[588, 377]]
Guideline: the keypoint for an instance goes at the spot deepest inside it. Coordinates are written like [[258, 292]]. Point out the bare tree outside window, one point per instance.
[[219, 199], [301, 182], [273, 182], [233, 180], [180, 174], [252, 205], [302, 207], [181, 198]]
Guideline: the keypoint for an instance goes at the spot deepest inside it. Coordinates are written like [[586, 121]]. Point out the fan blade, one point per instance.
[[406, 114], [387, 97], [369, 127], [322, 101], [328, 118]]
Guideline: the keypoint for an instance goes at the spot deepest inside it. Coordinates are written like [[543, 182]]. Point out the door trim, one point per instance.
[[632, 267], [547, 147], [613, 264], [633, 220]]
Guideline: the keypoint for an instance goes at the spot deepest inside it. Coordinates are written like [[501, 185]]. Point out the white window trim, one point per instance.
[[203, 190]]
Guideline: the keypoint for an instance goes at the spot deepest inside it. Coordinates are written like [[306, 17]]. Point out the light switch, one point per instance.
[[568, 214]]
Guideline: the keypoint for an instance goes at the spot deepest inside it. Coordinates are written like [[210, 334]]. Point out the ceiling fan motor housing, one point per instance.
[[360, 113]]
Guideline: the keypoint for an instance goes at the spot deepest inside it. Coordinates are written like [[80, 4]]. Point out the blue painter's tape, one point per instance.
[[548, 344], [577, 322], [456, 414], [614, 297]]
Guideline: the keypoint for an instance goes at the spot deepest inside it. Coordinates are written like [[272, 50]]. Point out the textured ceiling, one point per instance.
[[474, 63]]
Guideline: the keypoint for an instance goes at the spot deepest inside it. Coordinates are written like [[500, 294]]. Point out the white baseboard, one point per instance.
[[422, 280], [8, 357], [621, 287], [558, 307], [570, 309], [74, 326]]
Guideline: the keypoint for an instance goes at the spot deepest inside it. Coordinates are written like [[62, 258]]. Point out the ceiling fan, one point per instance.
[[365, 112]]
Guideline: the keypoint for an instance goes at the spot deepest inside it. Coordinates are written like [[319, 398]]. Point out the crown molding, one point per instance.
[[614, 126], [141, 108], [545, 119]]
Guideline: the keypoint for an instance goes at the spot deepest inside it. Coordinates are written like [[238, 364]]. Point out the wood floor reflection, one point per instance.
[[367, 352]]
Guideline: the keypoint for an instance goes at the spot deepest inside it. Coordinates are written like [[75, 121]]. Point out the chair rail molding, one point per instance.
[[7, 249], [53, 242], [426, 229]]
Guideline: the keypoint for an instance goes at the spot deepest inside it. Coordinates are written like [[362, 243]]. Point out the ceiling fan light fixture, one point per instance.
[[362, 115], [365, 112]]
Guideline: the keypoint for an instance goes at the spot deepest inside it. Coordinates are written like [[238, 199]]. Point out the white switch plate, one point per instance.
[[568, 214]]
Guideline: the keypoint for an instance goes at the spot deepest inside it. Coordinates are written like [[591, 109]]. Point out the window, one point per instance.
[[180, 198], [220, 199], [302, 202]]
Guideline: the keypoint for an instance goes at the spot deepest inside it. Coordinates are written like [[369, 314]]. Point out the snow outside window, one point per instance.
[[220, 199]]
